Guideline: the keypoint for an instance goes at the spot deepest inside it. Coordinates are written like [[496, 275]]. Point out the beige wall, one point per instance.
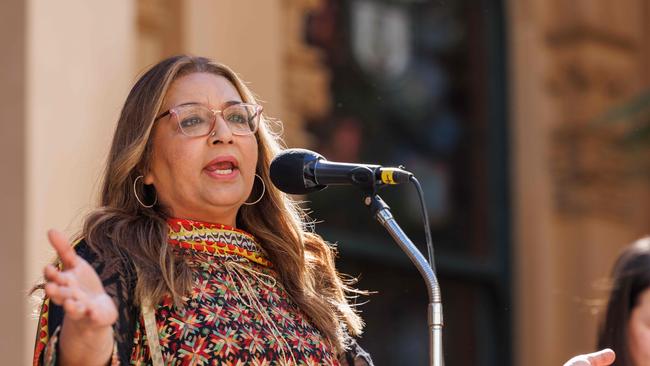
[[79, 65], [246, 35]]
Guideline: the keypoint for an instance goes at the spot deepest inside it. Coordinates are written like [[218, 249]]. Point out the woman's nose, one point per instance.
[[220, 132]]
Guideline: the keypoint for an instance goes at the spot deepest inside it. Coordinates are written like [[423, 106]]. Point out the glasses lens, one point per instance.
[[242, 118], [195, 120]]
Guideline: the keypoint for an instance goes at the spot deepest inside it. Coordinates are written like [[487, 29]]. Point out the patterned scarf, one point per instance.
[[237, 313]]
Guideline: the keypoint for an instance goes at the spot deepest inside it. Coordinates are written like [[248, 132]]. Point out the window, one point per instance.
[[421, 83]]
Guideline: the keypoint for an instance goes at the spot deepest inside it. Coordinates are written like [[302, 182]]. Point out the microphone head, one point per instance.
[[288, 171]]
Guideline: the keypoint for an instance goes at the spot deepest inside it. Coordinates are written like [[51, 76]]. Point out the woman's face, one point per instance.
[[639, 330], [203, 178]]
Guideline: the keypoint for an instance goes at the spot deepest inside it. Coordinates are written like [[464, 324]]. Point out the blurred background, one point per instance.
[[527, 122]]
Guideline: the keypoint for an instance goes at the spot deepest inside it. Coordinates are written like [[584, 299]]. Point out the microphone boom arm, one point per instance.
[[381, 212]]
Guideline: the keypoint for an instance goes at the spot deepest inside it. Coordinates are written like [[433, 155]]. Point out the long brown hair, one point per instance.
[[630, 276], [122, 228]]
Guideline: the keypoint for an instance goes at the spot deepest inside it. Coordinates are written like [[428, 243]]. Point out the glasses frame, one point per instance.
[[172, 113]]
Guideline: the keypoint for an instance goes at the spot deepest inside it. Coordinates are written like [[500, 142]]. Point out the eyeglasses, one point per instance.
[[198, 120]]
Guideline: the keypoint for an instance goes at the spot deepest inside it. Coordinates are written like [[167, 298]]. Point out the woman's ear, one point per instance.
[[148, 178]]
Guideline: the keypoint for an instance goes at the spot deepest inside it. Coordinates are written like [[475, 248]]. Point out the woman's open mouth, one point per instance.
[[224, 167]]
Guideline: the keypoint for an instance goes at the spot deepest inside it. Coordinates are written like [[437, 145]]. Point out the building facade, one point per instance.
[[519, 117]]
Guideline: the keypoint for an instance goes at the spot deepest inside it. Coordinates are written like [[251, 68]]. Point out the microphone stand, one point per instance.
[[381, 212]]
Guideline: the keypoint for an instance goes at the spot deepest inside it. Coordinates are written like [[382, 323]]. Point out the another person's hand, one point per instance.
[[603, 357]]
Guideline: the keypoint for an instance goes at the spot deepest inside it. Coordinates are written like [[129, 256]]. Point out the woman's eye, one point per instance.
[[191, 122], [237, 118]]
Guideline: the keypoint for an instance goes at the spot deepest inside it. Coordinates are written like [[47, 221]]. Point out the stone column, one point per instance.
[[13, 37]]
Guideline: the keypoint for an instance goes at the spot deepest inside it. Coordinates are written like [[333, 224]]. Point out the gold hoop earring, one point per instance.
[[263, 191], [135, 192]]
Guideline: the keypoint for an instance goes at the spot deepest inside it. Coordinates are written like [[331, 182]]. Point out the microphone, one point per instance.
[[300, 171]]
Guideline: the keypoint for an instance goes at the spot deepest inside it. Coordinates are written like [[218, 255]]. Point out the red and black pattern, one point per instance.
[[237, 313]]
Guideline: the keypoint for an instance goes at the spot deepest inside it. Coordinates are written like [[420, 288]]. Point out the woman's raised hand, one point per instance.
[[603, 357], [77, 288], [87, 334]]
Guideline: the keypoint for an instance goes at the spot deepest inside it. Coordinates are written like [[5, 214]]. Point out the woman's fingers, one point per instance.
[[77, 305], [75, 309], [59, 294], [103, 311], [77, 288], [61, 278], [52, 274], [61, 286], [63, 248], [53, 293]]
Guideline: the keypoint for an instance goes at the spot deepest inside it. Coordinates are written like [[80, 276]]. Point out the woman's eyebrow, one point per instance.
[[226, 104], [186, 103], [232, 102]]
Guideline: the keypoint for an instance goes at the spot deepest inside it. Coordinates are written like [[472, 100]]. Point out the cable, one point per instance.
[[425, 218]]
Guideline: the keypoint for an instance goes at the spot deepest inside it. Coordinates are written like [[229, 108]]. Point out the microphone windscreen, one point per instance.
[[288, 171]]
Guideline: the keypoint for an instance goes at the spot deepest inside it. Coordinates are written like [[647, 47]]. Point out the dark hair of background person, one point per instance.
[[630, 277]]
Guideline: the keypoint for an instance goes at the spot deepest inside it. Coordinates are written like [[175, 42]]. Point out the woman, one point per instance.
[[193, 256], [626, 329]]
